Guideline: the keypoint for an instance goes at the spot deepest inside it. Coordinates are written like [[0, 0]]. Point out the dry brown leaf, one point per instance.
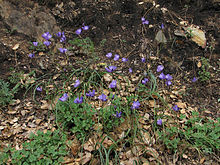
[[152, 152], [199, 64], [202, 160], [86, 158], [75, 146], [15, 47], [181, 105]]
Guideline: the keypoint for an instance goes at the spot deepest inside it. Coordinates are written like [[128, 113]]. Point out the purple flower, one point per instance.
[[91, 93], [175, 108], [47, 36], [47, 43], [130, 70], [78, 101], [78, 31], [113, 96], [118, 115], [77, 83], [110, 68], [58, 34], [144, 21], [63, 38], [35, 43], [116, 58], [168, 77], [168, 83], [162, 76], [144, 81], [124, 59], [159, 122], [194, 79], [109, 55], [64, 97], [39, 89], [103, 97], [113, 84], [85, 27], [63, 50], [162, 26], [143, 59], [135, 105], [31, 55], [160, 68]]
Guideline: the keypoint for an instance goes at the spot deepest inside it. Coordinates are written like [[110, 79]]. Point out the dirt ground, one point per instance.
[[119, 23]]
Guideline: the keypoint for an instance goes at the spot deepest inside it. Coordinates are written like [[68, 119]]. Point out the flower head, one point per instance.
[[78, 31], [110, 68], [58, 34], [144, 21], [162, 26], [91, 93], [63, 38], [109, 55], [77, 83], [78, 101], [143, 59], [124, 59], [168, 77], [116, 58], [85, 27], [159, 122], [160, 68], [162, 76], [35, 43], [175, 108], [145, 80], [39, 89], [103, 97], [168, 83], [62, 50], [135, 105], [118, 115], [113, 84], [47, 36], [47, 43], [194, 79], [130, 70], [64, 97], [31, 55]]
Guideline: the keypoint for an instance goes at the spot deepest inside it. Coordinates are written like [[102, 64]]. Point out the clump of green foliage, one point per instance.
[[197, 132], [6, 95], [78, 118], [204, 74], [84, 44], [44, 148]]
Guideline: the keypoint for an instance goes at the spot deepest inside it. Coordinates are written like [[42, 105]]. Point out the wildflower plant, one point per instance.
[[76, 116]]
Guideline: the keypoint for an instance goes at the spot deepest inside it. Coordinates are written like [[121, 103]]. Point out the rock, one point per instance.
[[28, 18]]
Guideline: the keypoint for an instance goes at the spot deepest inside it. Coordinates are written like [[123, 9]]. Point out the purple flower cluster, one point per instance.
[[47, 36], [162, 76], [144, 21], [110, 68], [144, 81], [117, 115], [62, 36], [159, 122], [135, 105], [64, 97], [91, 93], [62, 50], [78, 100], [77, 83], [113, 84], [79, 31]]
